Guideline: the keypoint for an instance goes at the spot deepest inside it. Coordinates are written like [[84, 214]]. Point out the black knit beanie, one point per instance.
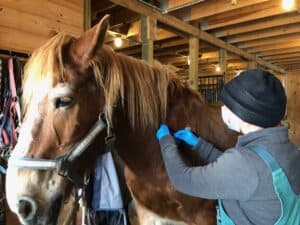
[[257, 97]]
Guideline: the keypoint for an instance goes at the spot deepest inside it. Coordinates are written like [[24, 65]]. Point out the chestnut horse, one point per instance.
[[68, 83]]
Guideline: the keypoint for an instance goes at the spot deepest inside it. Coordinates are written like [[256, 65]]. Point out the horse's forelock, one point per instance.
[[45, 67]]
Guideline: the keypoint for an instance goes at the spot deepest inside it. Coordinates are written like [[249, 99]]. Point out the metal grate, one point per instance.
[[210, 87]]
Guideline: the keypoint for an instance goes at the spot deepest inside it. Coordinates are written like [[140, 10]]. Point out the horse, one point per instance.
[[77, 93]]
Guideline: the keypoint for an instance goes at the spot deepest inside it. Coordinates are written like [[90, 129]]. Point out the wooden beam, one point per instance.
[[171, 5], [193, 62], [270, 40], [223, 61], [124, 17], [213, 7], [182, 60], [283, 56], [190, 30], [257, 11], [283, 30], [171, 43], [87, 15], [283, 45], [148, 30], [252, 65], [262, 24], [288, 60], [280, 51]]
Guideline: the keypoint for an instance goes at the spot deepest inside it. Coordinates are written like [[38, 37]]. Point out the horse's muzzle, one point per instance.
[[26, 209]]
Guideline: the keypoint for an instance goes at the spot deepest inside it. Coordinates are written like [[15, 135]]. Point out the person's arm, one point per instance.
[[229, 177], [203, 148], [206, 150]]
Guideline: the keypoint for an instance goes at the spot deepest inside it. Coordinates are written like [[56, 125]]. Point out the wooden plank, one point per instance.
[[270, 40], [280, 51], [27, 22], [283, 56], [259, 25], [190, 30], [75, 5], [288, 59], [194, 62], [50, 10], [258, 11], [213, 7], [20, 41], [290, 63], [282, 45], [283, 30]]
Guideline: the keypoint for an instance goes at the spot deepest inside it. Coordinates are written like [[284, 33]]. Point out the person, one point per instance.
[[257, 182]]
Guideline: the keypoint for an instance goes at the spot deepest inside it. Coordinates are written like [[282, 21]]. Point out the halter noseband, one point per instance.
[[62, 164]]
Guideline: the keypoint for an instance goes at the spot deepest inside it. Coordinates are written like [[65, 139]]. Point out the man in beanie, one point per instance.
[[257, 182]]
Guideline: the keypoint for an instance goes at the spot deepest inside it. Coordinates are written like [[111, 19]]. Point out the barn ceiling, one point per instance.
[[258, 28]]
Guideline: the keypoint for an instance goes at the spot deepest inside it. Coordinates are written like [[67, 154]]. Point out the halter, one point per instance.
[[62, 164]]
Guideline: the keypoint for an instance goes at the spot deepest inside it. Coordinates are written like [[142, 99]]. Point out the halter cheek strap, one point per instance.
[[62, 164]]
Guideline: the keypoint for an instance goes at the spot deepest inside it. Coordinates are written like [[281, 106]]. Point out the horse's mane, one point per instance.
[[140, 88]]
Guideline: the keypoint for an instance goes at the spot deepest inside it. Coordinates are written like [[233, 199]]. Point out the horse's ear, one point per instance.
[[85, 47]]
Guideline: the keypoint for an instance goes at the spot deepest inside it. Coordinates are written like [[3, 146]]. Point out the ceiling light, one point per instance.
[[288, 5], [118, 42], [218, 68]]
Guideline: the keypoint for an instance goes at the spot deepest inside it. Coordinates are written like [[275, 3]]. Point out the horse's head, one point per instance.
[[63, 98]]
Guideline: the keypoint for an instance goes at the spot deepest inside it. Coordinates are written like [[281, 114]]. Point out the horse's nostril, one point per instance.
[[26, 208]]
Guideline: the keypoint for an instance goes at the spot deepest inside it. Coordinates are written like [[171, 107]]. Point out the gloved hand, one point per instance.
[[187, 136], [162, 131]]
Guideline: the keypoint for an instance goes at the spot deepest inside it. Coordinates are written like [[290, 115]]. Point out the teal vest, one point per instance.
[[289, 201]]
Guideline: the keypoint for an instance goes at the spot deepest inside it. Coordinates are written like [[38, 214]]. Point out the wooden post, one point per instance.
[[223, 61], [252, 65], [87, 12], [194, 62], [148, 33]]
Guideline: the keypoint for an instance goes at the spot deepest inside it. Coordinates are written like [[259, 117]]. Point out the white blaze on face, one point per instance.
[[17, 185]]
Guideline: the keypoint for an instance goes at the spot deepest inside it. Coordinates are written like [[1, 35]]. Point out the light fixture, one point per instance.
[[288, 5], [118, 42], [218, 68], [188, 60]]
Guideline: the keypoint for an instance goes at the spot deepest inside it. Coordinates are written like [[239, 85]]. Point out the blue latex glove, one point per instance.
[[162, 131], [187, 136]]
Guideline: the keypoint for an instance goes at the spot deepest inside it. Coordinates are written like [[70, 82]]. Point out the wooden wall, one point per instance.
[[293, 107], [27, 24]]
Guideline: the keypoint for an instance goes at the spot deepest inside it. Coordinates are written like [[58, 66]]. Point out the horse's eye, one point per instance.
[[63, 102]]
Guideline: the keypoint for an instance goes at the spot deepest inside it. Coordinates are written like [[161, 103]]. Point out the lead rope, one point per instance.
[[72, 213], [83, 200]]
